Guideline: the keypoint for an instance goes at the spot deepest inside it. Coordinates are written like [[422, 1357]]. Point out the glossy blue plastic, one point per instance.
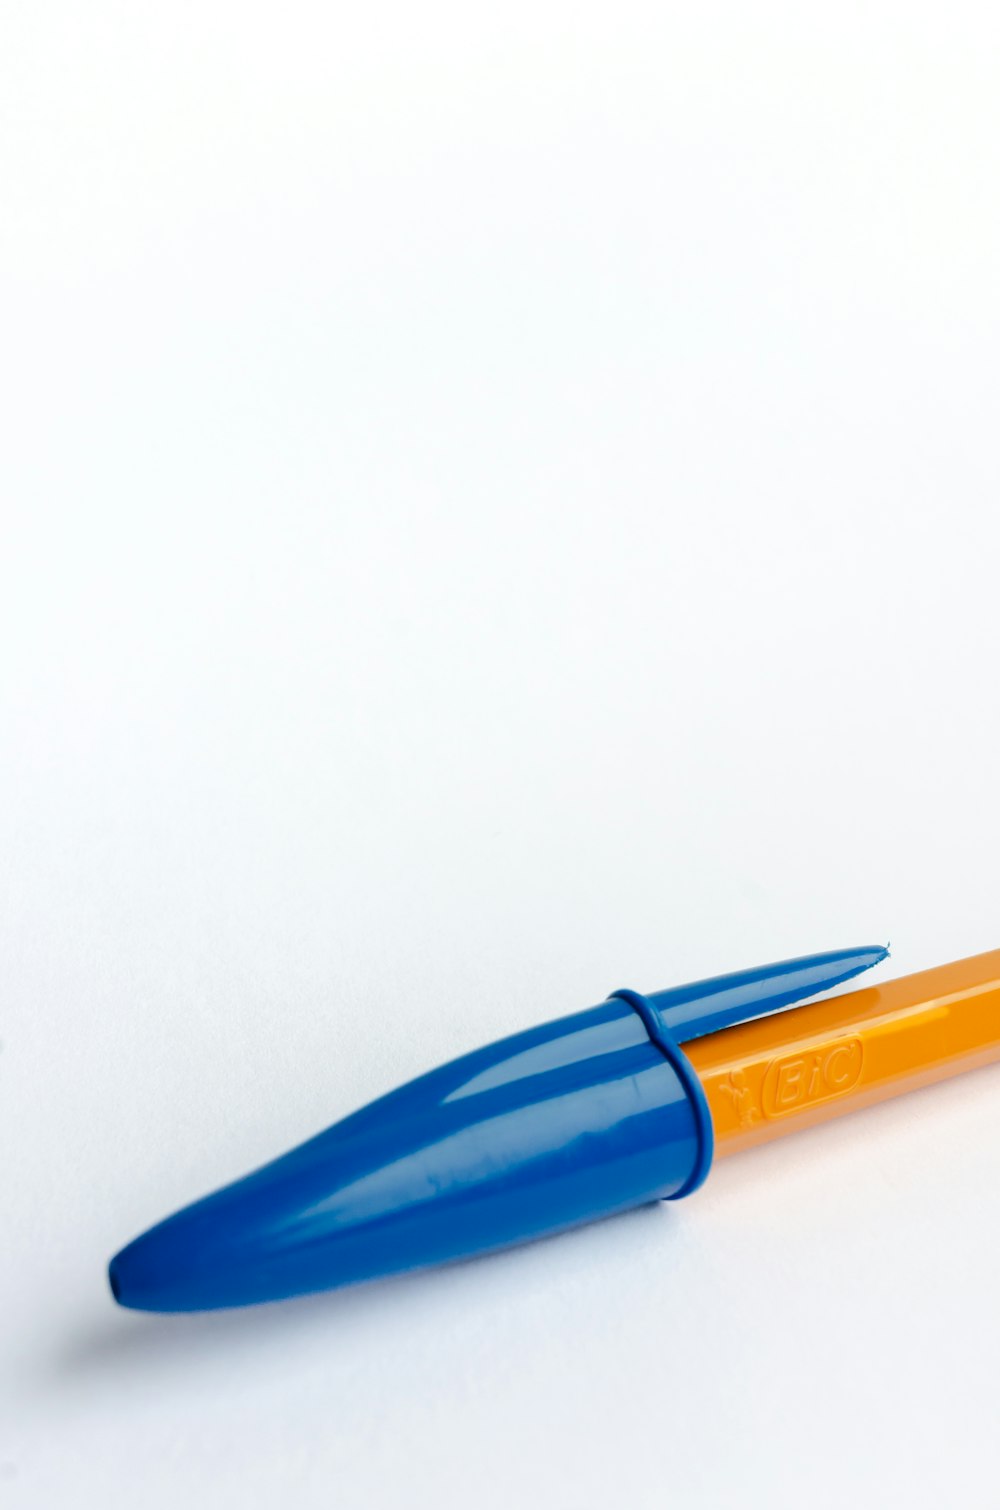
[[706, 1006], [558, 1125]]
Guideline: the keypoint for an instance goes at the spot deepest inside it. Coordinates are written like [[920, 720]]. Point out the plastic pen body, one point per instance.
[[779, 1074], [565, 1123]]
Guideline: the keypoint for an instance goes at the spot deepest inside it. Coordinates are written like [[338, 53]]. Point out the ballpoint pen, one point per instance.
[[564, 1123]]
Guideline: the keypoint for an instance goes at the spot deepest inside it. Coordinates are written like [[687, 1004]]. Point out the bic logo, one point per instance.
[[801, 1080]]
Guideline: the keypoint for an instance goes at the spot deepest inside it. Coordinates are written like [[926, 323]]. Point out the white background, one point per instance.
[[499, 502]]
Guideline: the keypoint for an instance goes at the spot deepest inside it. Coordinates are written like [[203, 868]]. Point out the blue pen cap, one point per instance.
[[555, 1126]]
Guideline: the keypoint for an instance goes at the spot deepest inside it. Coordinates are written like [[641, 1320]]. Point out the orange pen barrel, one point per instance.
[[800, 1067]]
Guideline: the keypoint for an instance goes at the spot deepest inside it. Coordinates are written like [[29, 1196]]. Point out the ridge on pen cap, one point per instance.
[[705, 1006]]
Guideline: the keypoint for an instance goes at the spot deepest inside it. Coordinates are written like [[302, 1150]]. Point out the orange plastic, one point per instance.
[[772, 1076]]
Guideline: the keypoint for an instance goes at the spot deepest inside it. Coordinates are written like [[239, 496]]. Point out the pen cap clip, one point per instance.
[[705, 1006]]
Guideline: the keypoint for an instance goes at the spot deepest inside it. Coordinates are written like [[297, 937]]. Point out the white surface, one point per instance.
[[499, 502]]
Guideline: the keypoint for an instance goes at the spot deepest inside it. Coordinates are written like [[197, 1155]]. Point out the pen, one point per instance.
[[565, 1123]]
